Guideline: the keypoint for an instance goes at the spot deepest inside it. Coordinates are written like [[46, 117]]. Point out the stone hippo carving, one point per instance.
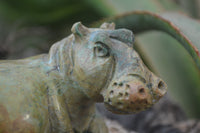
[[56, 92]]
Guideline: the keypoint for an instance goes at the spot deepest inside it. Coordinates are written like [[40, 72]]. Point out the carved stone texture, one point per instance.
[[57, 92]]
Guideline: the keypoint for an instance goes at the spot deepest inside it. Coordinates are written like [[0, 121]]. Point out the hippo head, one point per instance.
[[107, 69]]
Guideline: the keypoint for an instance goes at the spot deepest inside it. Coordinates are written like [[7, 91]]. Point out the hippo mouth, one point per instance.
[[126, 106], [125, 110]]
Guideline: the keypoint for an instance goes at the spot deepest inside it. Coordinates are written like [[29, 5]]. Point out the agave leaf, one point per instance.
[[47, 12]]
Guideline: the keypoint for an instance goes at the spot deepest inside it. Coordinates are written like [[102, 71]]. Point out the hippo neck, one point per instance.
[[78, 106], [73, 102]]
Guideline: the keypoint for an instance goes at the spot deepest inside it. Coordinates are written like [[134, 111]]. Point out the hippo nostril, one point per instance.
[[141, 91], [120, 94], [161, 85], [111, 92], [126, 94], [120, 84], [128, 86], [115, 84]]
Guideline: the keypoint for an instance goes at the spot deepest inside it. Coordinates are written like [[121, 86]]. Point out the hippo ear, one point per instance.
[[110, 26], [79, 29]]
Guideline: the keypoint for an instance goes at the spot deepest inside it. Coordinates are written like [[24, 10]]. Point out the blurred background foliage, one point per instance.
[[30, 27]]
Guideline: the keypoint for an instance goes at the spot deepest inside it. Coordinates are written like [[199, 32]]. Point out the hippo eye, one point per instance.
[[101, 50]]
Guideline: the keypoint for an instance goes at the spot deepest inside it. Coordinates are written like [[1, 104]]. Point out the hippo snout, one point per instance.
[[133, 94]]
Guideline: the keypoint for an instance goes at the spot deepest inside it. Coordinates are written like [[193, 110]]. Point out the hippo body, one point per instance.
[[57, 92]]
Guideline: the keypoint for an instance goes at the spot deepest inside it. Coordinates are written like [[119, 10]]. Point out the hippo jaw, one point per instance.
[[132, 93]]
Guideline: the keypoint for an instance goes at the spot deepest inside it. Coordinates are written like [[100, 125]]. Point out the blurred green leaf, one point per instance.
[[190, 6], [47, 11]]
